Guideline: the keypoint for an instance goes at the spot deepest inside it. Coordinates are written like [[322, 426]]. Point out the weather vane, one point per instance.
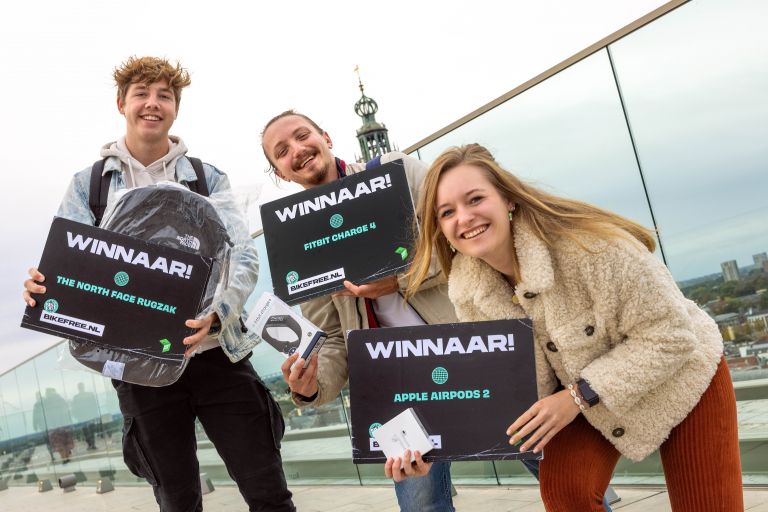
[[359, 81]]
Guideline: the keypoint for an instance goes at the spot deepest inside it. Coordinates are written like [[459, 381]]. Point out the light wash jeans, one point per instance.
[[432, 493], [429, 493]]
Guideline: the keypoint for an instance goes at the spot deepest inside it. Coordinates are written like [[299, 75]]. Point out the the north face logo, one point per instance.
[[189, 241]]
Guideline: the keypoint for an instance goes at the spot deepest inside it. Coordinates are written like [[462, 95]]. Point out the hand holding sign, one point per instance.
[[31, 286], [203, 326], [372, 290]]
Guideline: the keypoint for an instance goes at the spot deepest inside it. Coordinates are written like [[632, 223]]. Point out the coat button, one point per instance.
[[551, 346], [589, 330], [529, 295], [618, 432]]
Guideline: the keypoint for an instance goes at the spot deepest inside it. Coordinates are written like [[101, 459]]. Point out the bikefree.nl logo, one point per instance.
[[51, 305], [373, 428], [291, 277]]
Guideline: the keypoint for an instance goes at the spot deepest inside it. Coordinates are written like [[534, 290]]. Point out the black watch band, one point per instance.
[[587, 393]]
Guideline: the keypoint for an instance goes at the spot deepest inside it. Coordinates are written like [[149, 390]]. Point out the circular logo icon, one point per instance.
[[51, 305], [336, 220], [291, 277], [121, 279], [373, 428], [440, 375]]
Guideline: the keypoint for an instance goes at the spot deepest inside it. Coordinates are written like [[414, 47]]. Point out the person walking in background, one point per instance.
[[59, 422], [85, 409], [39, 423]]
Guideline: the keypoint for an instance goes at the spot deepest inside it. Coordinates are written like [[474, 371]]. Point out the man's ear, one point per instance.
[[120, 106], [328, 140]]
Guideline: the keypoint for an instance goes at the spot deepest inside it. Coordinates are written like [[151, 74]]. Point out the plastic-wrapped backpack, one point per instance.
[[171, 215]]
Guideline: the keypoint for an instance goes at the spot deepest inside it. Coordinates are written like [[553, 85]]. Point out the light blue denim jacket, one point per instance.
[[230, 298]]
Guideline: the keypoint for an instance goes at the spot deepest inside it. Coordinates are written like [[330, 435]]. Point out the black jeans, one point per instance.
[[240, 417]]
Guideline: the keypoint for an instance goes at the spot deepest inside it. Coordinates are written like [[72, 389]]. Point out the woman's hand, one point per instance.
[[543, 420], [417, 468]]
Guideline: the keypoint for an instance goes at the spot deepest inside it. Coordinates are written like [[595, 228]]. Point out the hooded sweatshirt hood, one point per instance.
[[134, 172]]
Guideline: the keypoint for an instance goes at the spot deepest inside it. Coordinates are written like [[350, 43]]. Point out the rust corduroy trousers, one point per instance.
[[701, 459]]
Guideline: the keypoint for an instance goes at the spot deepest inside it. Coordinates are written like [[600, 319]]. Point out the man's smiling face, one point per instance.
[[149, 110], [299, 152]]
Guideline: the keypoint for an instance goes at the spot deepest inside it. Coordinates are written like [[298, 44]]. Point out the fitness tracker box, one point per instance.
[[283, 328]]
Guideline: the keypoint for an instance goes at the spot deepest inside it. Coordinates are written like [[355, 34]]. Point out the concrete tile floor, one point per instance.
[[334, 498]]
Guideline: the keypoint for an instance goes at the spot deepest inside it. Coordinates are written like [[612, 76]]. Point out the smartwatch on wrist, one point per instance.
[[587, 393]]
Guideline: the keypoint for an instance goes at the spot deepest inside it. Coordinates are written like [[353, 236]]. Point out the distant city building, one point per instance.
[[761, 261], [372, 136], [759, 321], [730, 270], [727, 319]]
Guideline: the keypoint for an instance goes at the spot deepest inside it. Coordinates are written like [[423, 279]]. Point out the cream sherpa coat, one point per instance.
[[612, 316]]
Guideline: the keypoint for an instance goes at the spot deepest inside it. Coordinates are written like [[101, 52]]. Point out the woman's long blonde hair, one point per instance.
[[550, 216]]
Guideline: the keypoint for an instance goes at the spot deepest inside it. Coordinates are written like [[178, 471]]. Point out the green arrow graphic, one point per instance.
[[166, 344], [403, 252]]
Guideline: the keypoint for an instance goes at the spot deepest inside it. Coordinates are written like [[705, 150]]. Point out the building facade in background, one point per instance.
[[730, 270]]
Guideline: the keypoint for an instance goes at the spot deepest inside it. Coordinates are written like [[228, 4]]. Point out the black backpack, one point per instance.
[[99, 191], [138, 214]]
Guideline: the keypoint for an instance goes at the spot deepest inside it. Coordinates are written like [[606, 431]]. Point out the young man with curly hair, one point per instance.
[[219, 386]]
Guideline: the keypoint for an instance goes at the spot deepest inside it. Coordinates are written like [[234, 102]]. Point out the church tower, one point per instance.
[[373, 137]]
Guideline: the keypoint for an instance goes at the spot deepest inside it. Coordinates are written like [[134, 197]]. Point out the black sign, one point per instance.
[[117, 290], [467, 382], [357, 229]]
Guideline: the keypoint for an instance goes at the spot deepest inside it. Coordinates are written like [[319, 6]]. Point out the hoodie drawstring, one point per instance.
[[130, 171]]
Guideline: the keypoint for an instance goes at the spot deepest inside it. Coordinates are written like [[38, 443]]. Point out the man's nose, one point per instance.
[[295, 148], [152, 101]]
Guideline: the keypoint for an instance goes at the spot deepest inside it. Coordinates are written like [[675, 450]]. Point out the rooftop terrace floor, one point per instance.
[[336, 499]]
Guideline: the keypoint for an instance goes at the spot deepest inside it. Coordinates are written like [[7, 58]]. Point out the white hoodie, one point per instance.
[[134, 172]]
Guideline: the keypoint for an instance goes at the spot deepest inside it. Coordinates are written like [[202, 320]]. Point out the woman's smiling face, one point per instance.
[[472, 214]]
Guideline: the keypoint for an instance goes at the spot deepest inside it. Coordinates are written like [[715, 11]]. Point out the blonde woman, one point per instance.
[[625, 363]]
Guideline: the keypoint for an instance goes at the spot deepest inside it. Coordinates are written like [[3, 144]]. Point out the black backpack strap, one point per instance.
[[99, 190], [201, 185]]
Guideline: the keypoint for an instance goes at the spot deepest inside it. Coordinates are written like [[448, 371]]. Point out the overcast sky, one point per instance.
[[426, 63]]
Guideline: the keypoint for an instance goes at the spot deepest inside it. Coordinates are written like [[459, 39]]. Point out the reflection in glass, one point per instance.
[[316, 445], [568, 135], [698, 109]]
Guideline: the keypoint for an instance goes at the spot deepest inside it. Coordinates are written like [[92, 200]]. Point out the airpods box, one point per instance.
[[282, 327], [403, 432]]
